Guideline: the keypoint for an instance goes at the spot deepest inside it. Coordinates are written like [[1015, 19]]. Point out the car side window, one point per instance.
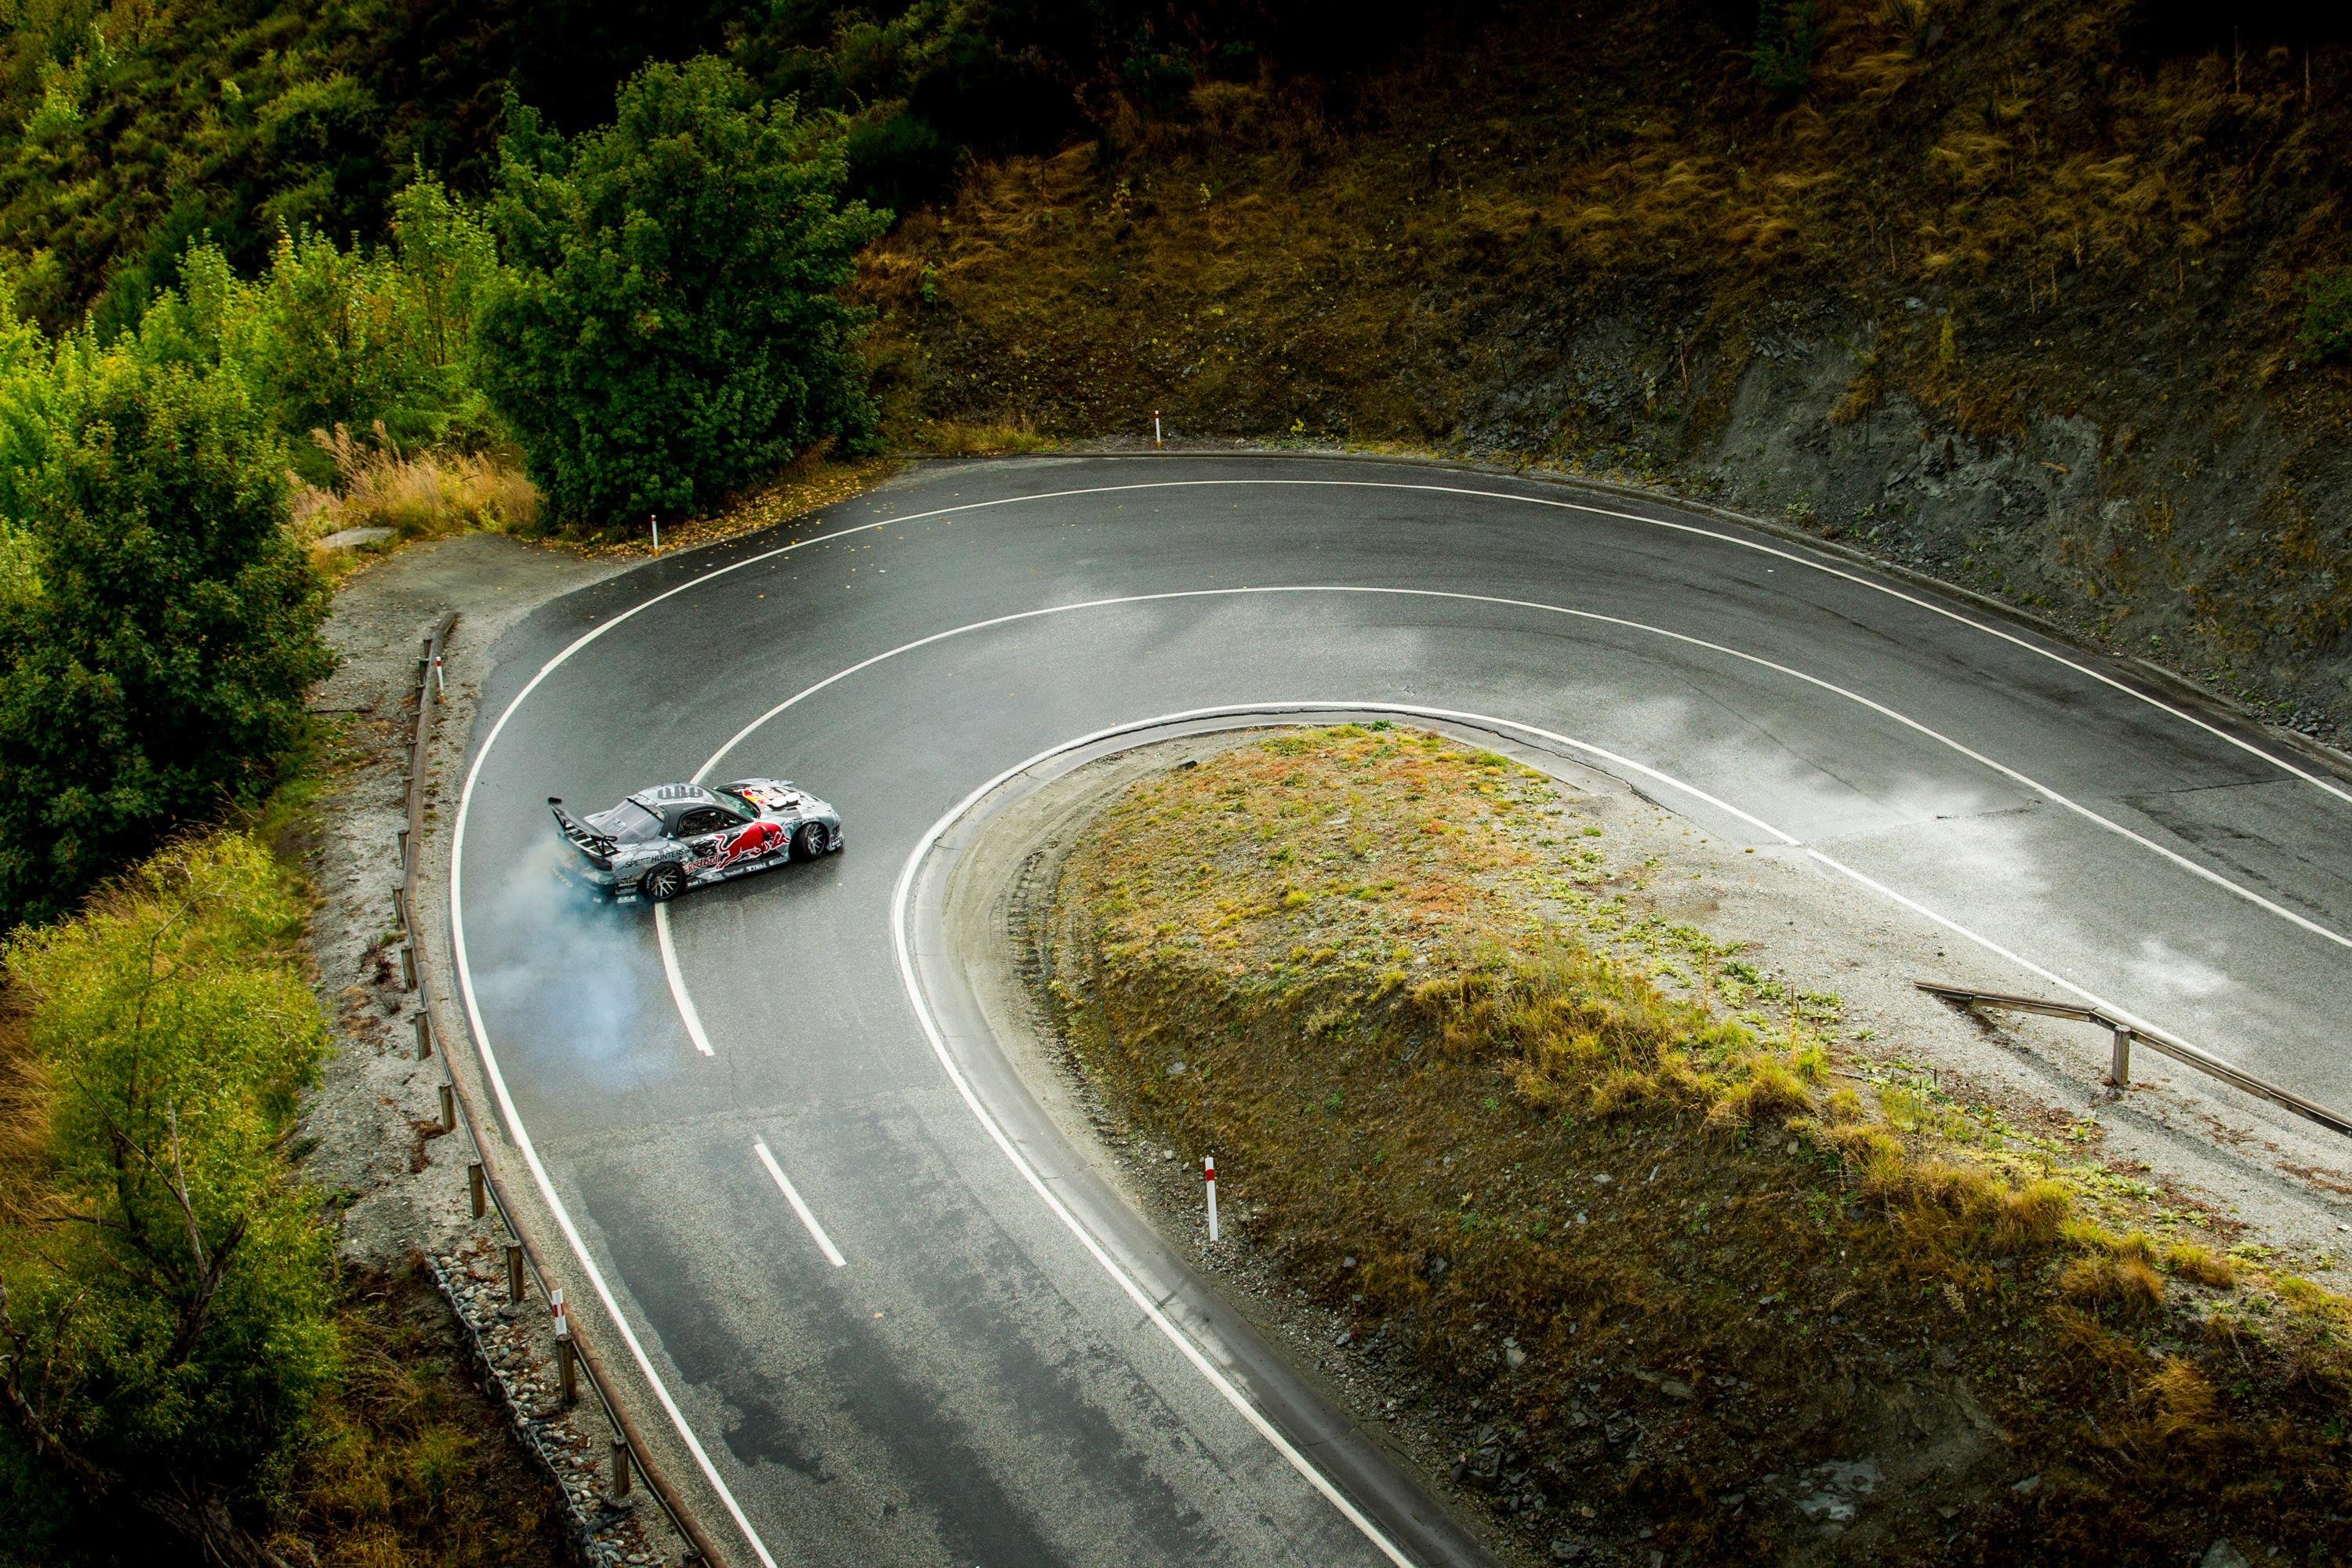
[[703, 819]]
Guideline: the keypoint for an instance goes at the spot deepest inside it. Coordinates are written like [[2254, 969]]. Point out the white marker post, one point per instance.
[[567, 1354], [1155, 426], [440, 684], [1209, 1177], [655, 517]]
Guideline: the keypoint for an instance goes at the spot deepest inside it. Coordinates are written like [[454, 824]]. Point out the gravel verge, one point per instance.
[[398, 1176]]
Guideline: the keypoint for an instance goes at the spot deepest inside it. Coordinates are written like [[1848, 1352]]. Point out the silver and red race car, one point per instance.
[[661, 841]]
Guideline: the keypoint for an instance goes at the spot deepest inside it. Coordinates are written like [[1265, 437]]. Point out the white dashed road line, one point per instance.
[[685, 1009], [792, 1195]]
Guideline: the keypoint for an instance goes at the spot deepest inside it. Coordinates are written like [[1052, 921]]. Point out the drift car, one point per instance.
[[661, 841]]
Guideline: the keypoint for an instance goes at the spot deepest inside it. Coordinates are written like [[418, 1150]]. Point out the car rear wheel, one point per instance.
[[663, 883], [809, 842]]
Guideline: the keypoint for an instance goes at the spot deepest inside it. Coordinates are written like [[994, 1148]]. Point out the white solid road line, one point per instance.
[[1143, 1299], [483, 1043], [686, 1008], [2014, 775], [792, 1195]]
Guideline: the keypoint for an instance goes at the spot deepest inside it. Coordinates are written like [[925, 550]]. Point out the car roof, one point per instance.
[[671, 801]]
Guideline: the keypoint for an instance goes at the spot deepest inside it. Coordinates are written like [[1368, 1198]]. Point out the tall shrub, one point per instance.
[[165, 1292], [672, 326], [325, 335], [164, 627]]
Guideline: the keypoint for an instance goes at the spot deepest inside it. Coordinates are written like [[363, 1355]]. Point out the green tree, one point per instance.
[[166, 1288], [157, 668], [673, 327]]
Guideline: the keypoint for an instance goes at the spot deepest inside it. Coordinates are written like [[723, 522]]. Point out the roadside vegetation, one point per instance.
[[238, 313], [1674, 1264], [184, 1374], [1986, 186], [554, 360], [2048, 298]]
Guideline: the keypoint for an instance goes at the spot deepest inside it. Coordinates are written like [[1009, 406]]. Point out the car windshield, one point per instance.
[[629, 823], [742, 808]]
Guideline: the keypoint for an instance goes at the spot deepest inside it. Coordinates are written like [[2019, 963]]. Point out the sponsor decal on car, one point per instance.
[[755, 839]]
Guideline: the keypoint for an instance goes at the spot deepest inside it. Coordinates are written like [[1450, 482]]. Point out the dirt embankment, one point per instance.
[[2013, 292], [1676, 1262]]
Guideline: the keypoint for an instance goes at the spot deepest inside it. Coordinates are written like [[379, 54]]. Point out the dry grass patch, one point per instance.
[[962, 439], [417, 495], [1646, 1235]]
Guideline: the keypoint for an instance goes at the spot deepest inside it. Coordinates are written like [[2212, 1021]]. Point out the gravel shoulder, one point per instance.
[[398, 1178]]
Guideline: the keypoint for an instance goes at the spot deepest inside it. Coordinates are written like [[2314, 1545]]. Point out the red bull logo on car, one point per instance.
[[757, 838]]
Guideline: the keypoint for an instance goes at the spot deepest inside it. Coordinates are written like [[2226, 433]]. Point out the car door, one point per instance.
[[705, 831]]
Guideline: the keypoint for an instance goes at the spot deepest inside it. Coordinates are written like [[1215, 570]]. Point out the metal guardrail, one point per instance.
[[483, 1182], [2119, 1060]]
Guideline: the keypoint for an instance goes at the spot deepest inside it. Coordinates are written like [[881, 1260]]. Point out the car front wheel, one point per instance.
[[663, 883], [809, 842]]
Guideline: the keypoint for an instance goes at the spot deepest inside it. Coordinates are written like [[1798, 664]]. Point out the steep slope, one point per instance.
[[2015, 290]]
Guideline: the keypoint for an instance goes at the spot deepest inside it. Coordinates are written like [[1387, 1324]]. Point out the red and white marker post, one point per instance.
[[440, 685], [567, 1354], [1209, 1177], [1155, 426]]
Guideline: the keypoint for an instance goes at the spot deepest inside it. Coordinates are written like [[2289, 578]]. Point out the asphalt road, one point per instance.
[[974, 1383]]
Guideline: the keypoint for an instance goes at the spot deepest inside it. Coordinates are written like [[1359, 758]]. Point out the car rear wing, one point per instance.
[[594, 844]]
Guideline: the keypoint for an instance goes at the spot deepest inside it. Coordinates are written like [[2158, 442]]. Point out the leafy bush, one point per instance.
[[2327, 314], [900, 160], [326, 337], [154, 659], [1786, 34], [982, 98], [166, 1320], [672, 327], [1160, 84]]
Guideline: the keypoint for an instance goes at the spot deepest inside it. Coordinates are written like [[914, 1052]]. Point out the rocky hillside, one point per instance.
[[2046, 297]]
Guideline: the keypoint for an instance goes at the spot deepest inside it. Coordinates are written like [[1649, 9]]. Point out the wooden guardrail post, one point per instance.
[[2119, 1060], [485, 1188], [620, 1470]]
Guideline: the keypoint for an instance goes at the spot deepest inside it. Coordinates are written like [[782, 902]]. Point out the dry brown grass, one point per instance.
[[2199, 1265], [1453, 1103], [25, 1103], [417, 495], [962, 438], [2103, 1279], [1285, 260]]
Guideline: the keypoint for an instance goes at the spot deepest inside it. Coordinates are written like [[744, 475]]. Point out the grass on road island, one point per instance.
[[1672, 1265]]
